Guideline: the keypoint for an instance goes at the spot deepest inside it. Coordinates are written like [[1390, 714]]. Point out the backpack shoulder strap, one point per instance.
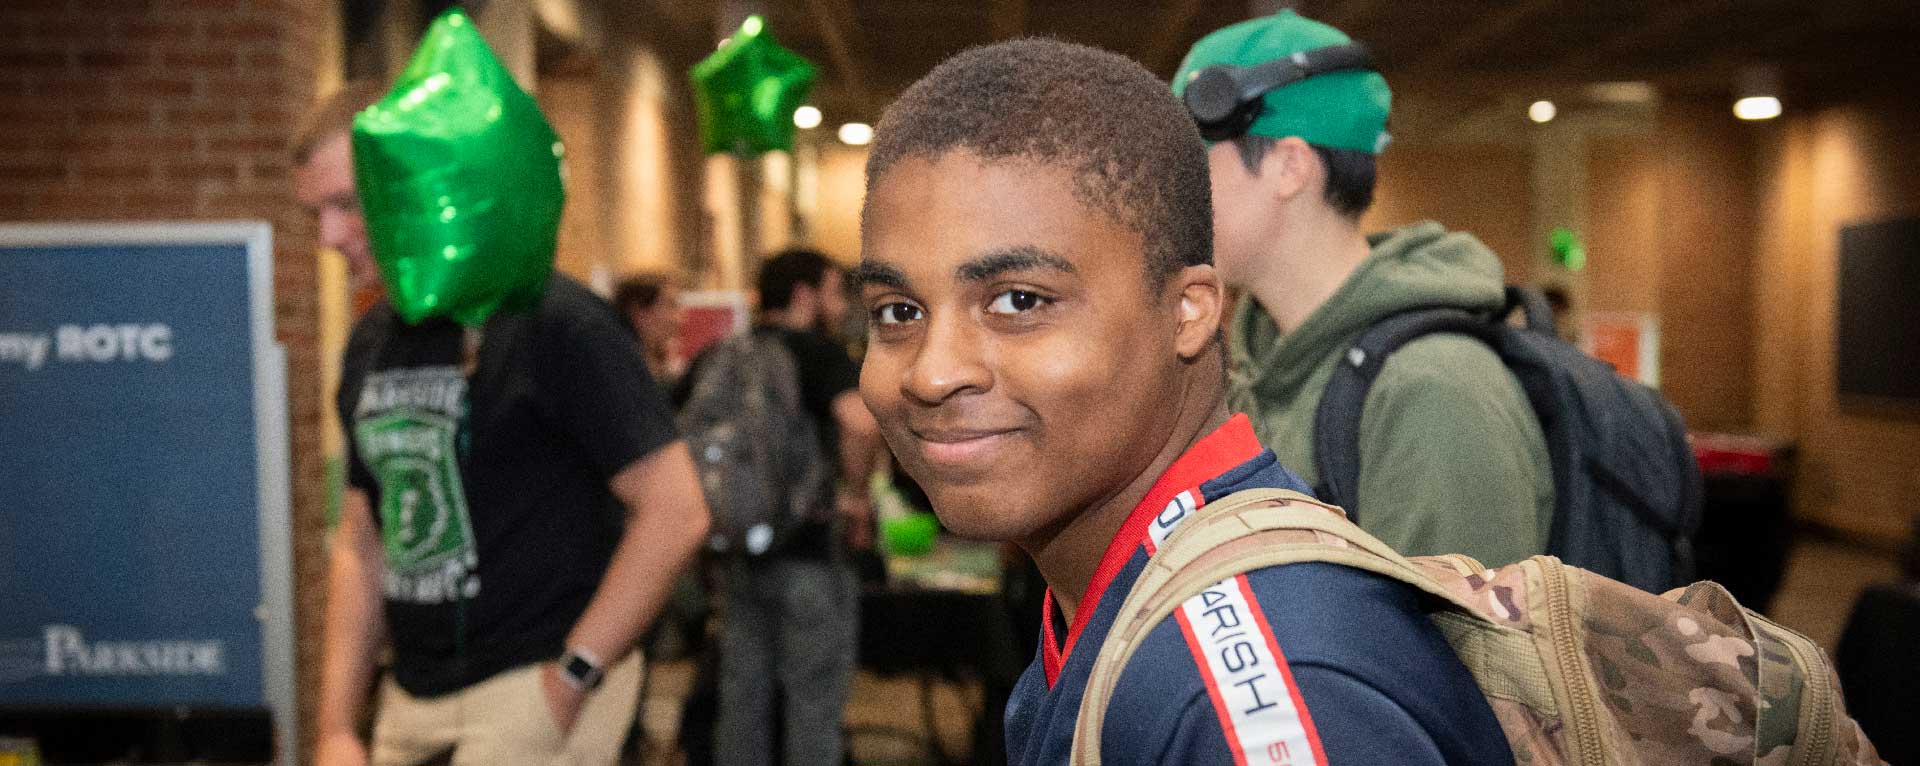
[[780, 370], [711, 371], [1243, 532], [1336, 423]]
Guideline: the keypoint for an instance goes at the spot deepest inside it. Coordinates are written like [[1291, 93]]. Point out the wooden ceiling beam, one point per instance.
[[841, 32], [1667, 20], [1475, 38]]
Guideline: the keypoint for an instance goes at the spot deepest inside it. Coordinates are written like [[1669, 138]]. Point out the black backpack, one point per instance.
[[762, 467], [1626, 484]]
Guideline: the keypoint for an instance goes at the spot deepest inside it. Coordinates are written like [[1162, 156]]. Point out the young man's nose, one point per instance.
[[948, 362]]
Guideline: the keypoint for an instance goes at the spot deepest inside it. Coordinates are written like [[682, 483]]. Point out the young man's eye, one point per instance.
[[896, 313], [1015, 302]]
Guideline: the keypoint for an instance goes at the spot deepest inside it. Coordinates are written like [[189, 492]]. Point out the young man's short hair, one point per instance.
[[1351, 174], [1133, 150], [788, 269], [641, 291], [334, 115]]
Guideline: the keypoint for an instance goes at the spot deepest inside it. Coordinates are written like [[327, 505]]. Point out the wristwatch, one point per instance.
[[581, 670]]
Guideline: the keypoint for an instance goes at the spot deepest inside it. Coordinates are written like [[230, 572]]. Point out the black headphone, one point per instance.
[[1225, 100]]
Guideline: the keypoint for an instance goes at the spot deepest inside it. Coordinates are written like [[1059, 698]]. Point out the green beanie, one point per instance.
[[1340, 110]]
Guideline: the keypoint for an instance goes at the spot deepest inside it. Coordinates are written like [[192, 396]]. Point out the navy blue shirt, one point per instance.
[[1284, 666]]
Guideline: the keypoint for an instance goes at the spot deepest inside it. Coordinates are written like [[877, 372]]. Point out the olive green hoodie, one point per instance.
[[1451, 455]]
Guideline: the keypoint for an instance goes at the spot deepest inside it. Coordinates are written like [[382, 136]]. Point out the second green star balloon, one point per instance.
[[747, 91], [459, 178]]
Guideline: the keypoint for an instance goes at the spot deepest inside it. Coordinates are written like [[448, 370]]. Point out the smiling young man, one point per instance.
[[1045, 359]]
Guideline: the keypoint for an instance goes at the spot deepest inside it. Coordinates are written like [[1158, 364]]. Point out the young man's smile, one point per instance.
[[957, 449]]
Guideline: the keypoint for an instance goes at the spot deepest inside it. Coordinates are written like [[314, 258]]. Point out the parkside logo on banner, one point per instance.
[[93, 343], [69, 653], [64, 650]]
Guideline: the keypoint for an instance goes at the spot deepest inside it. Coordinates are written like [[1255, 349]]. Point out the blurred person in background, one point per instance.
[[534, 507], [651, 303], [791, 612], [1451, 456]]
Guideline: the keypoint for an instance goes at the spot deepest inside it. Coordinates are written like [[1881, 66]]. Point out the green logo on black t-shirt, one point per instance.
[[407, 426]]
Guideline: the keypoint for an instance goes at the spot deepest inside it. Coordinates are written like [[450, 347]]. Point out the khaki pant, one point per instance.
[[505, 720]]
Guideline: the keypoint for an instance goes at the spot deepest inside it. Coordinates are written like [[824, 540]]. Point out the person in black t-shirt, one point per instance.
[[518, 504], [792, 612]]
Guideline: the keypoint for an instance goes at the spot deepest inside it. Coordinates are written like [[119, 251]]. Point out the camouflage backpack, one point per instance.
[[1578, 668]]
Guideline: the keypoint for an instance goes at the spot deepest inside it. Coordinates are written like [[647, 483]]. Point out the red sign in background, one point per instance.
[[709, 316]]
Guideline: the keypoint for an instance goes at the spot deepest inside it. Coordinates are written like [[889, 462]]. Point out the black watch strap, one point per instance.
[[581, 671]]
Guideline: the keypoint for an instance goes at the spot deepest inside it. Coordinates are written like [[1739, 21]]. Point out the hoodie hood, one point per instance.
[[1418, 266]]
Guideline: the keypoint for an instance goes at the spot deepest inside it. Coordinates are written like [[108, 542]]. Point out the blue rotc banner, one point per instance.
[[143, 474]]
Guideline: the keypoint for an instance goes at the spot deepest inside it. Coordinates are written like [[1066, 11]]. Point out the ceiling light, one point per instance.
[[806, 117], [856, 133], [1542, 111], [1757, 108]]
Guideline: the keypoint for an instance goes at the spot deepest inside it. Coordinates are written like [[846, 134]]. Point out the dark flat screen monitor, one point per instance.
[[1878, 358]]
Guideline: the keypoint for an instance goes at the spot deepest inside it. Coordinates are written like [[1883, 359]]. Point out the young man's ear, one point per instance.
[[1201, 302], [1290, 168]]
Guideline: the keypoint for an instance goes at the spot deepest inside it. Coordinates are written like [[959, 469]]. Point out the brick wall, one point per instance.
[[180, 110]]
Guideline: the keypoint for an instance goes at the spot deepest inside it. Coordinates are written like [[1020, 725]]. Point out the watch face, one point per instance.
[[581, 671]]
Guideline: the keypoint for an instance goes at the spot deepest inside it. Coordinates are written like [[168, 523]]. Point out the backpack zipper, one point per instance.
[[1582, 720], [1818, 747], [1820, 742]]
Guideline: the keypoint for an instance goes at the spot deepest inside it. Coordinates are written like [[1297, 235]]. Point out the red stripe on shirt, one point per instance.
[[1213, 689], [1286, 671], [1216, 453]]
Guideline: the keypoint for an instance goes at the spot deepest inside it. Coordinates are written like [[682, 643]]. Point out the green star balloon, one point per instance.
[[1568, 250], [460, 181], [747, 91]]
